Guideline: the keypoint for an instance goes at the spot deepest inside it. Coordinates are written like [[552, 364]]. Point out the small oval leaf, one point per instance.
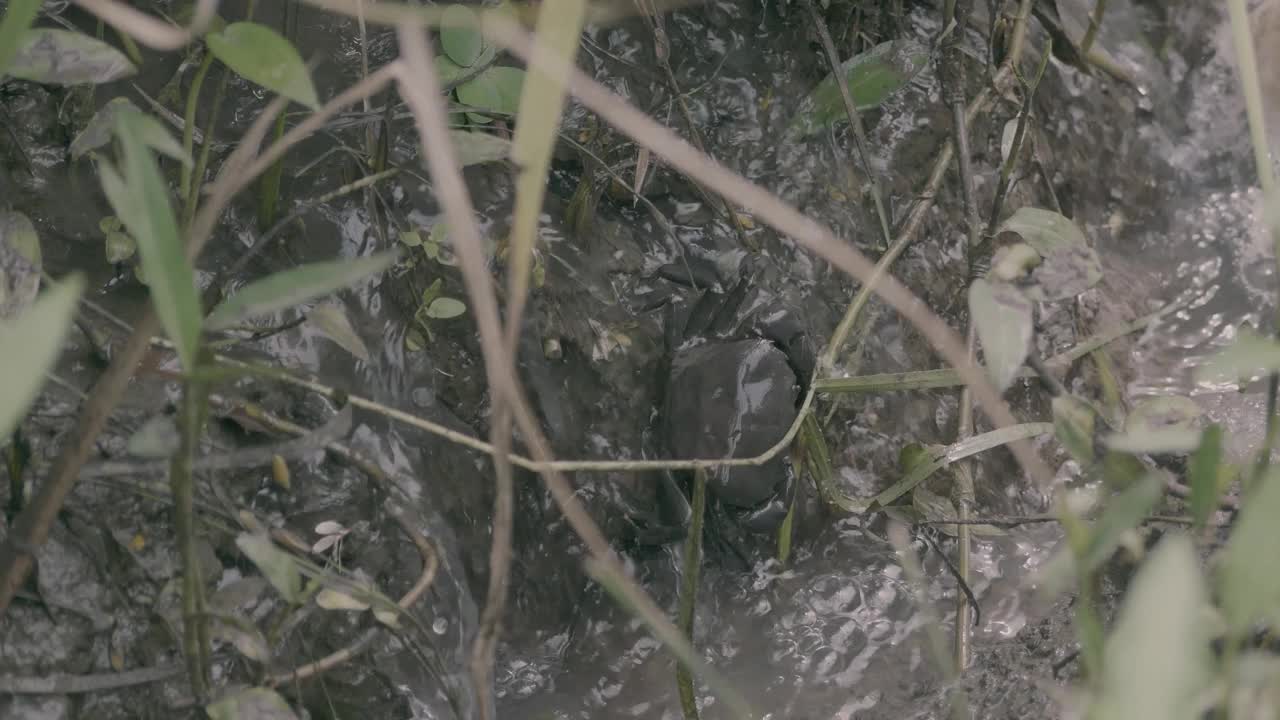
[[263, 56], [63, 57], [256, 703], [1044, 230], [39, 331], [873, 77], [496, 90], [445, 308], [333, 600], [1002, 315], [460, 36], [277, 566], [291, 287]]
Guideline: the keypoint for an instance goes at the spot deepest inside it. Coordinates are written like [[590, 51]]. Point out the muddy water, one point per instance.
[[1155, 174]]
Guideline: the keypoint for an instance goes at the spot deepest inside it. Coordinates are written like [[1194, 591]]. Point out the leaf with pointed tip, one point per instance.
[[333, 322], [460, 36], [17, 20], [1068, 265], [1205, 473], [476, 148], [1157, 662], [445, 308], [297, 285], [264, 57], [1002, 315], [1250, 355], [141, 200], [277, 566], [100, 127], [63, 57], [1250, 585], [873, 77], [39, 332]]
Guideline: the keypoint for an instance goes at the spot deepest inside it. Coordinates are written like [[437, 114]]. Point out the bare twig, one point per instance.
[[855, 120], [786, 219], [419, 88]]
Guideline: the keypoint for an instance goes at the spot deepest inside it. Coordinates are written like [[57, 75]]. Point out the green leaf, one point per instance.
[[1068, 265], [873, 77], [1250, 578], [1160, 425], [475, 148], [1157, 661], [496, 90], [460, 36], [1250, 355], [21, 262], [1044, 230], [256, 703], [1123, 513], [17, 19], [1204, 474], [292, 287], [936, 460], [97, 132], [333, 322], [448, 70], [934, 508], [1002, 315], [263, 56], [120, 247], [1073, 424], [141, 199], [62, 57], [445, 308], [277, 566], [38, 332]]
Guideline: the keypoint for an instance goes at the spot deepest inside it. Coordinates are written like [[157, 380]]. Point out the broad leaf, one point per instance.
[[263, 56], [1068, 265], [496, 90], [1044, 230], [31, 342], [1073, 424], [62, 57], [1250, 578], [1002, 315], [1157, 661], [21, 262], [256, 703], [1160, 425], [475, 148], [103, 123], [1250, 355], [141, 200], [1123, 512], [17, 19], [277, 566], [444, 308], [298, 285], [333, 322], [1205, 471], [873, 77], [460, 36]]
